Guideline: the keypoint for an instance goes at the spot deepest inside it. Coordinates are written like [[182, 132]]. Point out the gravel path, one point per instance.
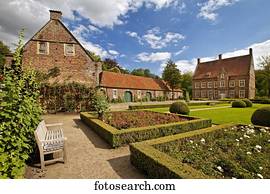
[[88, 156]]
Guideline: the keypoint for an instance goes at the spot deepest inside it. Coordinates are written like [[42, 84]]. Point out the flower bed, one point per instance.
[[225, 151], [134, 131], [131, 119]]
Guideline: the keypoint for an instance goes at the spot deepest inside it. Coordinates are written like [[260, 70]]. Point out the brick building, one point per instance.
[[133, 88], [225, 78], [54, 46]]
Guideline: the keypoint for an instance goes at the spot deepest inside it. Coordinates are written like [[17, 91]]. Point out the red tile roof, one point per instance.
[[117, 80], [235, 66]]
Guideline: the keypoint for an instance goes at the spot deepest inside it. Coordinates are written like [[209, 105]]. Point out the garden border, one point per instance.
[[118, 138], [157, 164], [149, 106]]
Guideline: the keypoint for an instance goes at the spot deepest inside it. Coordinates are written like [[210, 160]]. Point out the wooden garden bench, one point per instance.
[[50, 140]]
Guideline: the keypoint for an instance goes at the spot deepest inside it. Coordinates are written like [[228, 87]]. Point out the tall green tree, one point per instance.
[[144, 73], [172, 75], [186, 82], [265, 64], [261, 83], [111, 64], [4, 49], [94, 56]]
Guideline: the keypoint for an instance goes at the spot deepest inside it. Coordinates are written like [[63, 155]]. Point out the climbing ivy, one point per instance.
[[19, 115]]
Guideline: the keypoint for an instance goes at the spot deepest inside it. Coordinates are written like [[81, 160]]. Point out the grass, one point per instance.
[[224, 115]]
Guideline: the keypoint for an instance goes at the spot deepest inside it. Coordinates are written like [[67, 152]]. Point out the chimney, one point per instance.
[[199, 60], [55, 15], [250, 51], [220, 56]]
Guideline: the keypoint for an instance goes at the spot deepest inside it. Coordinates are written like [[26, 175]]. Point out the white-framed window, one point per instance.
[[222, 76], [215, 84], [139, 94], [114, 93], [242, 93], [210, 94], [203, 94], [69, 49], [222, 84], [216, 93], [210, 84], [43, 48], [242, 83], [197, 84], [231, 83], [203, 84], [197, 94], [231, 93]]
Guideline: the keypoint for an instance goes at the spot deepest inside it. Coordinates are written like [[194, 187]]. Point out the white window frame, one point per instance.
[[203, 94], [210, 92], [232, 93], [222, 76], [65, 49], [210, 85], [47, 48], [216, 95], [232, 83], [240, 92], [197, 94], [139, 94], [222, 85], [197, 85], [215, 84], [242, 83], [203, 84], [115, 93]]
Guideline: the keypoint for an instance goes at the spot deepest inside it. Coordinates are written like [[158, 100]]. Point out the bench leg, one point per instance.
[[42, 162], [65, 151]]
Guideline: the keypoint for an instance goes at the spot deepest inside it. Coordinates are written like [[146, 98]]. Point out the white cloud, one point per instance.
[[156, 39], [114, 52], [259, 50], [209, 8], [93, 28], [153, 57], [184, 48]]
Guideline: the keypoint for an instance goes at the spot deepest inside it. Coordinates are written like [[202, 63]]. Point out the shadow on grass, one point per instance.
[[91, 135], [124, 169]]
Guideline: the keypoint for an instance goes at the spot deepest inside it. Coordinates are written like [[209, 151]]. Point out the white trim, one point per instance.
[[114, 93], [197, 85], [139, 94], [203, 84], [230, 83], [244, 83], [73, 45], [241, 96], [211, 85], [222, 85], [47, 48]]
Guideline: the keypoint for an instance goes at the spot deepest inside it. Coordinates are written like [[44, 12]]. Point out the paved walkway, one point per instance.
[[88, 155]]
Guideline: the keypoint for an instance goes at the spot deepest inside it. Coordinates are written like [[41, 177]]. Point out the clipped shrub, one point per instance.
[[261, 117], [239, 104], [248, 102], [179, 108]]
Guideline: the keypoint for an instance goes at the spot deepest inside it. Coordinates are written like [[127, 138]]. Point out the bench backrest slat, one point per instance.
[[41, 131]]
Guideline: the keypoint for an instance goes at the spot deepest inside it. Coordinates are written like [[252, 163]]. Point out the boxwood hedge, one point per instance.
[[156, 164], [118, 138]]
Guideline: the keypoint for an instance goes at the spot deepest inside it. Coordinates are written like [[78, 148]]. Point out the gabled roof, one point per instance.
[[235, 66], [117, 80]]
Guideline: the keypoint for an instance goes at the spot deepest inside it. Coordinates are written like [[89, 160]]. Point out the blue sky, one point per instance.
[[146, 33]]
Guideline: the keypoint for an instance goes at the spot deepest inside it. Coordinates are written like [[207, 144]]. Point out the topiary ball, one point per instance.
[[179, 108], [248, 102], [238, 104], [261, 117]]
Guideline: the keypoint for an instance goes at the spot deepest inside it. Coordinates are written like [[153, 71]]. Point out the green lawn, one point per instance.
[[224, 115]]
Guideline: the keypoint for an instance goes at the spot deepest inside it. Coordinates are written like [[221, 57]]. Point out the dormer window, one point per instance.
[[69, 49], [222, 76], [43, 48]]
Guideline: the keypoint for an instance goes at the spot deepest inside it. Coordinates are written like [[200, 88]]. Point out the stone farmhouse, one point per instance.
[[54, 46], [225, 78]]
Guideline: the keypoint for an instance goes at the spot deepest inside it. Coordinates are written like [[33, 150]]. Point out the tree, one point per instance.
[[172, 76], [265, 64], [186, 82], [261, 83], [111, 64], [95, 57], [100, 103], [144, 73], [3, 51]]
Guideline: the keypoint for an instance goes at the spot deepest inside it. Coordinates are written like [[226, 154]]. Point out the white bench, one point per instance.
[[50, 139]]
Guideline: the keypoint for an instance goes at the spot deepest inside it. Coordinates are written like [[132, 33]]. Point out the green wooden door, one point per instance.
[[128, 96], [148, 96]]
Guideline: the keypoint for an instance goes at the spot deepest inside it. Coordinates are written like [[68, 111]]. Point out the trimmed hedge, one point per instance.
[[157, 164], [248, 102], [239, 104], [118, 138], [261, 117], [149, 106], [261, 101], [179, 108]]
